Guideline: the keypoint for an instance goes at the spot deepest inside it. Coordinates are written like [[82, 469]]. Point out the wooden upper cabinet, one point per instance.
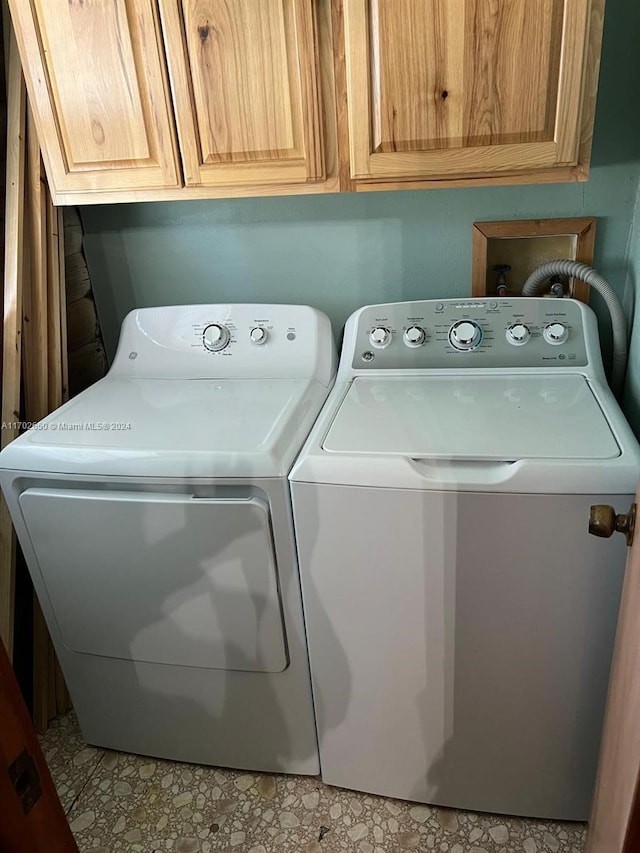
[[134, 99], [245, 81], [462, 88], [97, 83]]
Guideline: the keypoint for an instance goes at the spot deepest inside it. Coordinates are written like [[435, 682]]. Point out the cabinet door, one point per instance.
[[97, 83], [446, 88], [244, 75]]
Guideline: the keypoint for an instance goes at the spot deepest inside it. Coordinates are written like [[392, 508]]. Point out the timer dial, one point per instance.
[[216, 337], [465, 335]]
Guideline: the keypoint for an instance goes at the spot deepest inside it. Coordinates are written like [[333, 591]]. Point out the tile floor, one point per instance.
[[133, 803]]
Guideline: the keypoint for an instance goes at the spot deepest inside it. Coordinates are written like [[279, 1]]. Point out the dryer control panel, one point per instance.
[[226, 341], [467, 333]]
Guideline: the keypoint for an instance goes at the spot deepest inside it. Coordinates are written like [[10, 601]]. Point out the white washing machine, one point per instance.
[[154, 514], [460, 619]]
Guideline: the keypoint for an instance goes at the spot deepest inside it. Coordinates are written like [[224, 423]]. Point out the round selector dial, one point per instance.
[[518, 334], [414, 336], [380, 337], [465, 335], [215, 337], [258, 336], [555, 333]]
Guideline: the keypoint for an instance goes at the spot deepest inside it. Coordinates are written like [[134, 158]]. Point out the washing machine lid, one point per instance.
[[169, 427], [506, 417]]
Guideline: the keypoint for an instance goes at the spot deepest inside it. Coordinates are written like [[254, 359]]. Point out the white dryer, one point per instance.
[[460, 619], [154, 514]]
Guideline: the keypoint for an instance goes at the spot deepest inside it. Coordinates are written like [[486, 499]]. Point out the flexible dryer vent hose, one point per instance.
[[587, 274]]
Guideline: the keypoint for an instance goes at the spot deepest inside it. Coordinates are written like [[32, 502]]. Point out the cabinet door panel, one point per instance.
[[96, 79], [445, 87], [245, 83]]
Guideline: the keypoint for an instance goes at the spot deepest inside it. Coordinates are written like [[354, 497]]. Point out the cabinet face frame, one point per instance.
[[305, 161], [157, 166], [580, 30]]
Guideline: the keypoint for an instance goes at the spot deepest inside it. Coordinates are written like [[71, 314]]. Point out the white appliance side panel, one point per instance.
[[160, 578], [459, 643]]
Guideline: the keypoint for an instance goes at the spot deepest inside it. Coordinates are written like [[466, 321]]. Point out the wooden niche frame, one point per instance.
[[583, 229]]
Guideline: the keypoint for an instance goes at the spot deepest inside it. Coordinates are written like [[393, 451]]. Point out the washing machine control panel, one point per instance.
[[461, 333]]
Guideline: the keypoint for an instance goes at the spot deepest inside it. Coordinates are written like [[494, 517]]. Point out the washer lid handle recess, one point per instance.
[[467, 471]]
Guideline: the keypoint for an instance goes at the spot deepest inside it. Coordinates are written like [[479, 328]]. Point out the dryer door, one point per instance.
[[162, 578]]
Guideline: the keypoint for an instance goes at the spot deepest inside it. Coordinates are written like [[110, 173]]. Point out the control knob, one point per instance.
[[555, 333], [465, 335], [258, 336], [414, 336], [215, 337], [518, 334], [380, 337]]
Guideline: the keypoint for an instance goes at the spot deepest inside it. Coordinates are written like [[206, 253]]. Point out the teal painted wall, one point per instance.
[[342, 251]]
